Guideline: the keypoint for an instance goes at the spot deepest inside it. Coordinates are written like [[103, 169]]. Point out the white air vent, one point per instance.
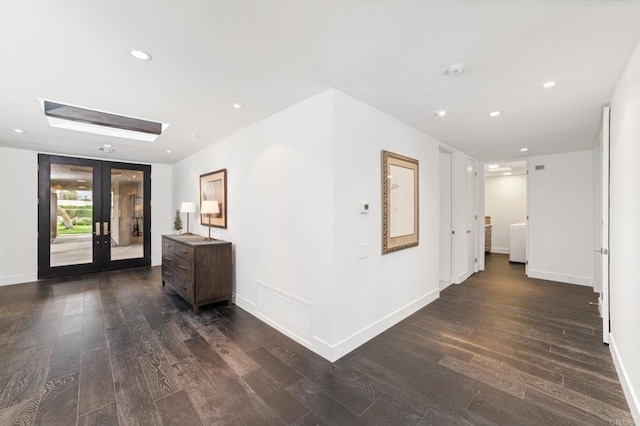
[[284, 310]]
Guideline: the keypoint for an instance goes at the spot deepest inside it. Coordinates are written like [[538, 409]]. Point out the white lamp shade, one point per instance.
[[210, 207], [187, 207]]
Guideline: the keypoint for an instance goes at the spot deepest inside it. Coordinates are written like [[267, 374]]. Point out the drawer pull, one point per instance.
[[166, 245], [168, 259], [183, 251], [167, 273], [183, 268]]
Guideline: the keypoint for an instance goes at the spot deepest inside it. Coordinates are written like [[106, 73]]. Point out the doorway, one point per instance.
[[92, 215], [506, 211]]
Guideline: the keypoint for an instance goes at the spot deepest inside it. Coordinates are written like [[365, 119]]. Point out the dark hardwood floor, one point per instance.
[[116, 348]]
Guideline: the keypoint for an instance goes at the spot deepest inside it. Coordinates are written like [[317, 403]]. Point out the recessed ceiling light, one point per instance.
[[80, 180], [106, 145], [18, 131], [82, 187], [506, 174], [549, 84], [494, 113], [169, 151], [524, 149], [440, 113], [140, 54], [238, 106], [493, 166]]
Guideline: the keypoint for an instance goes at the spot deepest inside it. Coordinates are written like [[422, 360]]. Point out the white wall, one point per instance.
[[506, 203], [162, 210], [375, 292], [561, 215], [19, 214], [280, 216], [625, 231], [446, 223], [306, 260]]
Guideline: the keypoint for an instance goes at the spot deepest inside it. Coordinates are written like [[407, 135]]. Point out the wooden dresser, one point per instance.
[[198, 270]]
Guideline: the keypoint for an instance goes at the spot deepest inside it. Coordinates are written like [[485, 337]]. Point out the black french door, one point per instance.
[[92, 215]]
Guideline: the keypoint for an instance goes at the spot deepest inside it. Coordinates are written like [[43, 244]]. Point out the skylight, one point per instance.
[[99, 122]]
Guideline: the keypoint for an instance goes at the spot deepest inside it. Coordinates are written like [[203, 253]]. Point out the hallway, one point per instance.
[[116, 348]]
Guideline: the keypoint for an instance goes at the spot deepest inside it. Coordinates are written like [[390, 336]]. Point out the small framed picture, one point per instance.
[[213, 187]]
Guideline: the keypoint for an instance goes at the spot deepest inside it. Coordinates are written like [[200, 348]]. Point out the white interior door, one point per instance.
[[472, 177], [601, 250], [446, 220]]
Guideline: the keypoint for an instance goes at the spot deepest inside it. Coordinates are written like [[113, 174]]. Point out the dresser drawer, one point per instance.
[[183, 268], [167, 247], [184, 288], [184, 251], [168, 274], [168, 261]]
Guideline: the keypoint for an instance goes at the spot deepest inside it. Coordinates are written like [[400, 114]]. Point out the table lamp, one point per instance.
[[209, 207], [187, 207]]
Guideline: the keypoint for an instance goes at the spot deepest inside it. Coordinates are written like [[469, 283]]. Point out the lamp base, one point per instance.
[[187, 233]]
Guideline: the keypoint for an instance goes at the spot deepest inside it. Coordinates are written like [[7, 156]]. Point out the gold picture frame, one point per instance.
[[213, 186], [400, 201]]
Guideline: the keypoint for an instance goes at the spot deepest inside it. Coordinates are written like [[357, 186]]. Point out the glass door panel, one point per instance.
[[71, 215], [68, 210], [127, 220]]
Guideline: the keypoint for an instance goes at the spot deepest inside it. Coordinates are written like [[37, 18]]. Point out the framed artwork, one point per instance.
[[213, 186], [399, 202]]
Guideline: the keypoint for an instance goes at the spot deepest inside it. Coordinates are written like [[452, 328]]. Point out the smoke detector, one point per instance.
[[454, 70]]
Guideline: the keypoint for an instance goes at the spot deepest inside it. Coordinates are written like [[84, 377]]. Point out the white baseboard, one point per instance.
[[18, 279], [461, 278], [563, 278], [340, 349], [500, 250], [358, 338], [444, 284], [627, 386]]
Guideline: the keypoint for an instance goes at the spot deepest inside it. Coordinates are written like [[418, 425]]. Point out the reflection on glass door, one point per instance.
[[127, 220], [71, 221]]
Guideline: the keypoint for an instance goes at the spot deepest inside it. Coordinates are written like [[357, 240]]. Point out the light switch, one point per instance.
[[363, 250], [364, 207]]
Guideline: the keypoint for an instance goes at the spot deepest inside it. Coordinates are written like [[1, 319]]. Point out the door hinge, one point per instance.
[[453, 232], [526, 262], [475, 260], [527, 217], [476, 217], [476, 174]]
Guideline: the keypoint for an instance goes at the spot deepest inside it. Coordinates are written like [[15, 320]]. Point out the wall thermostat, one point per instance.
[[364, 207]]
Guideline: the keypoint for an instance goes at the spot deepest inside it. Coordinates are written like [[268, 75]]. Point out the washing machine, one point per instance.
[[518, 247]]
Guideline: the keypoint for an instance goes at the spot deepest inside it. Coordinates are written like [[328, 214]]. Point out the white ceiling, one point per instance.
[[268, 55]]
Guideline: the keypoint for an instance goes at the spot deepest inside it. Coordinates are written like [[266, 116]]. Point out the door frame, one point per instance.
[[101, 188], [604, 249]]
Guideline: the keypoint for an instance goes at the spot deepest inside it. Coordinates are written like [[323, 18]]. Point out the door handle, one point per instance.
[[105, 228], [602, 251], [468, 231], [97, 232]]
